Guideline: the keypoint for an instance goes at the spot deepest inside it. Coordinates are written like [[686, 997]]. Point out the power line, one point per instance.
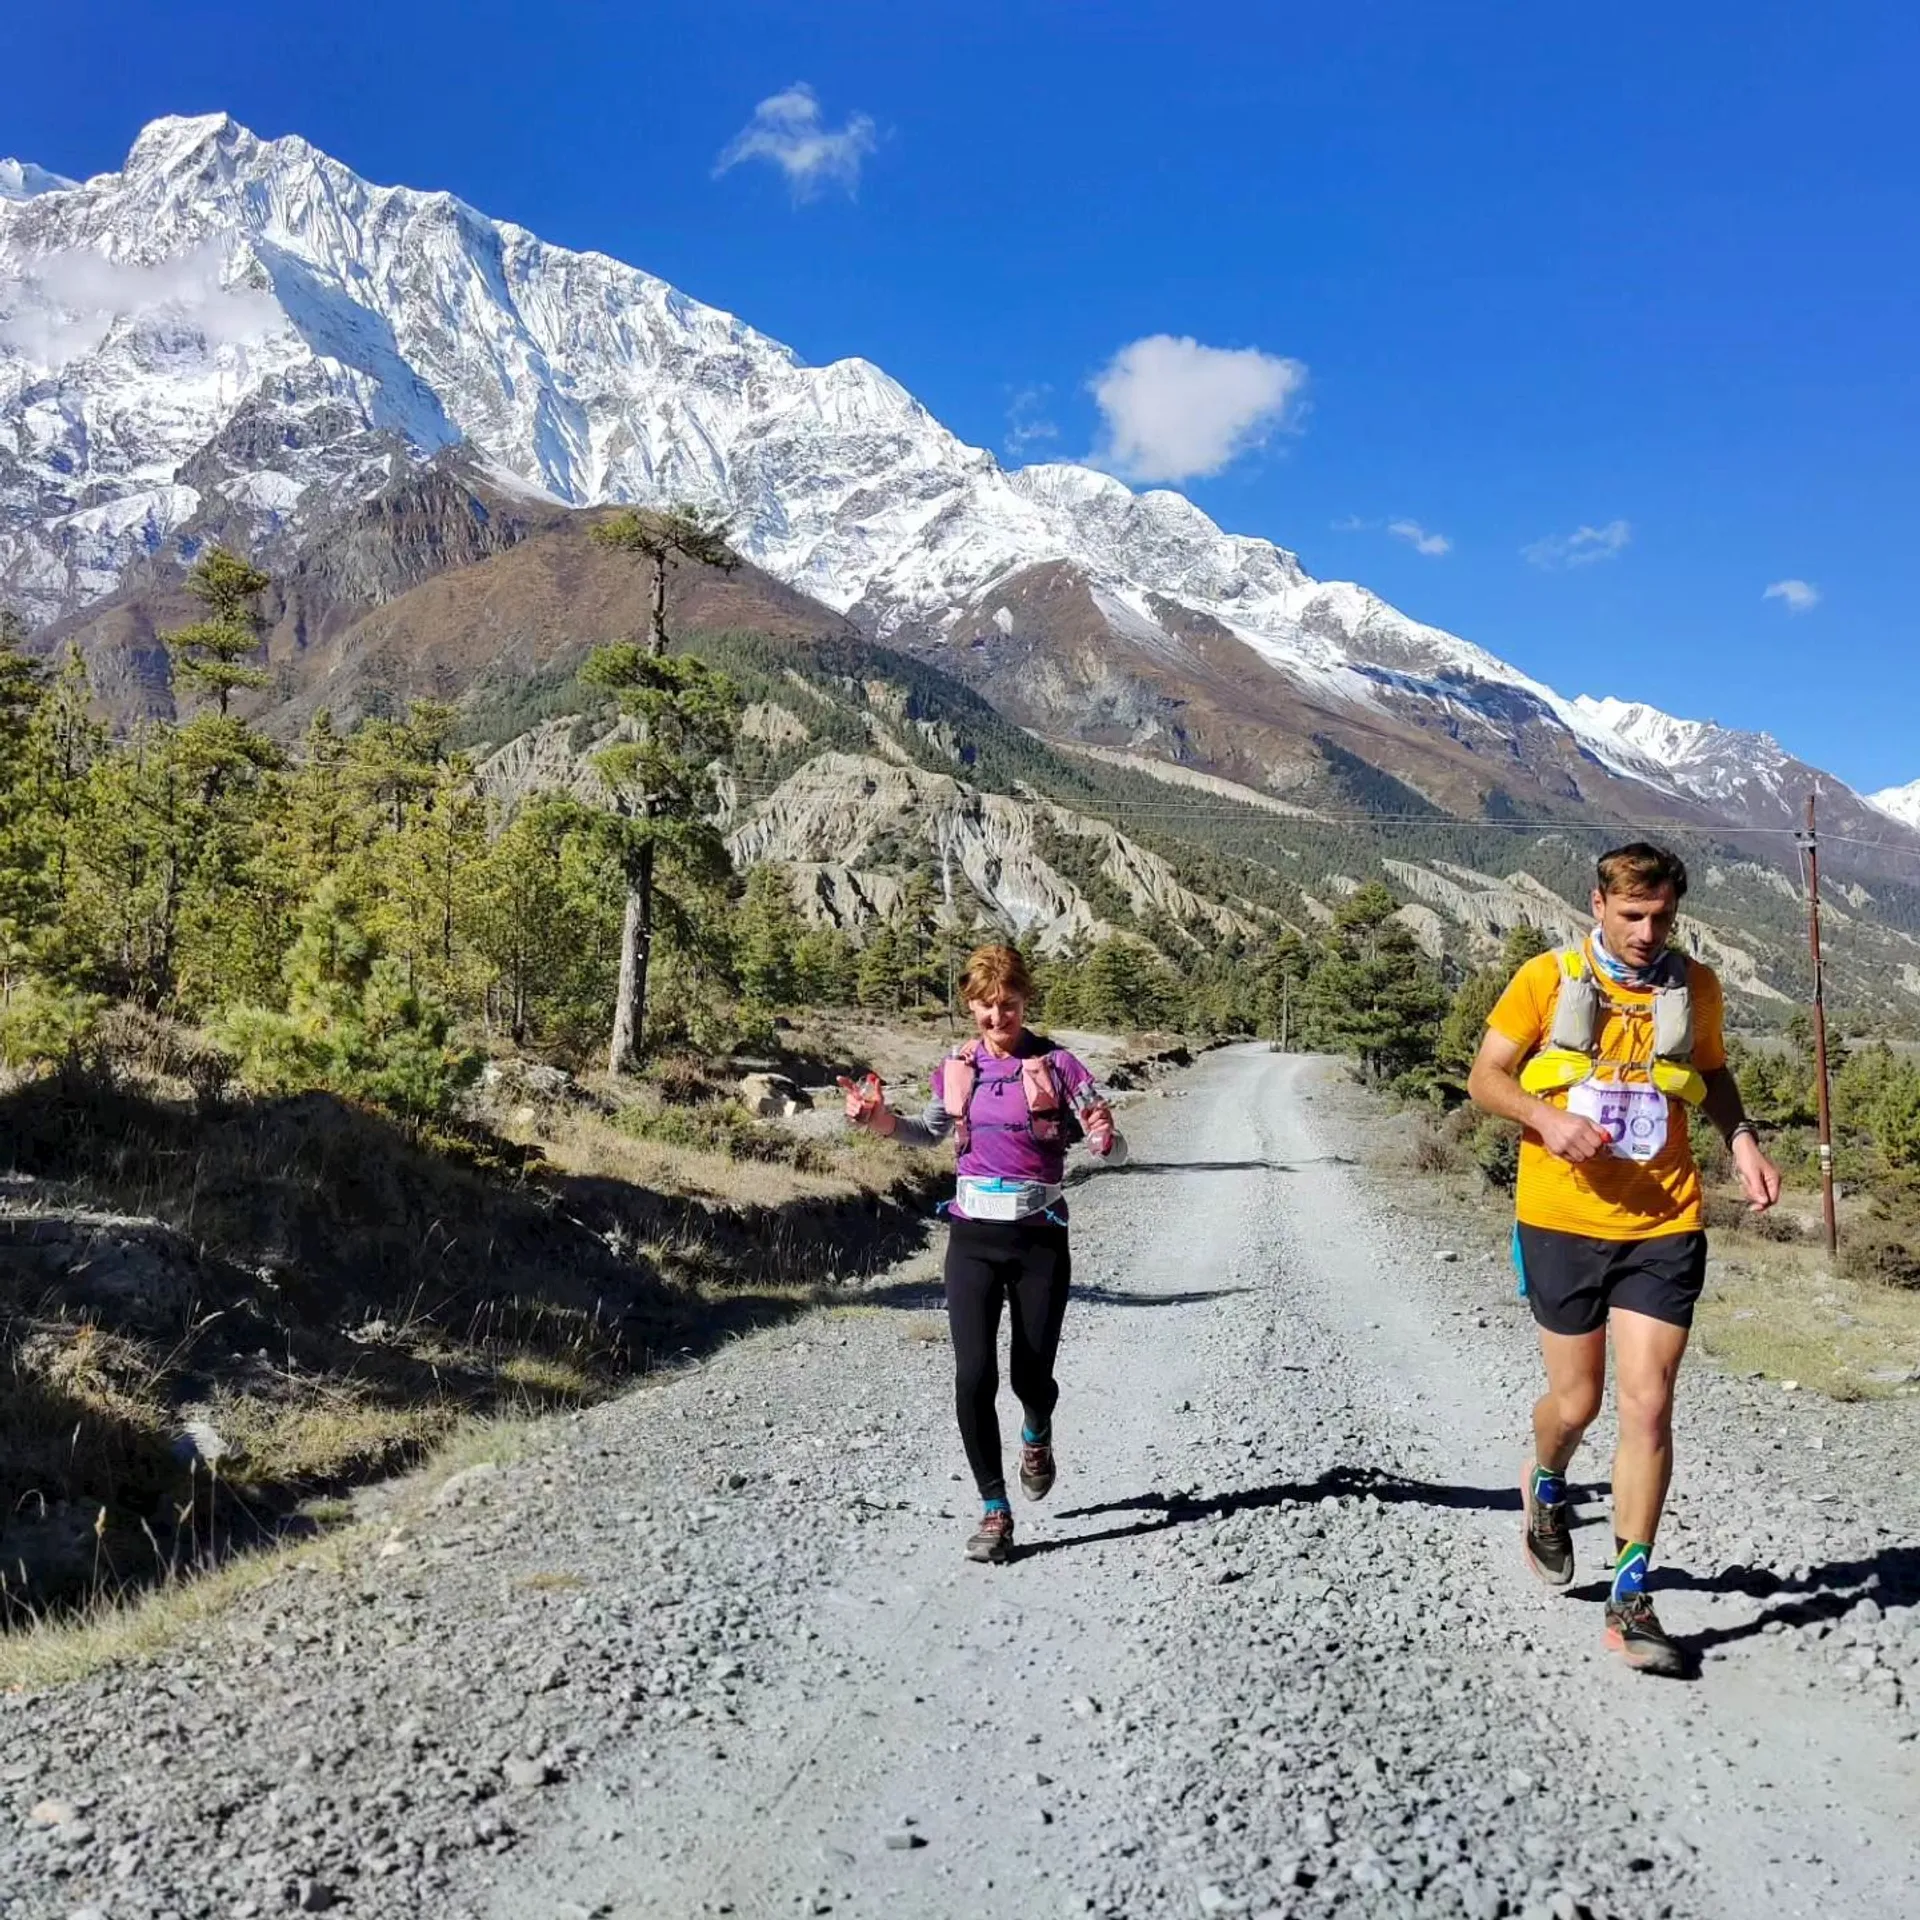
[[1251, 812]]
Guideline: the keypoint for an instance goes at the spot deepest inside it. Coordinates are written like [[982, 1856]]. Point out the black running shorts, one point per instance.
[[1573, 1280]]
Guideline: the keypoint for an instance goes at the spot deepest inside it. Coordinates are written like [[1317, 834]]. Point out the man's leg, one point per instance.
[[1565, 1280], [1654, 1289], [1646, 1362], [1576, 1379]]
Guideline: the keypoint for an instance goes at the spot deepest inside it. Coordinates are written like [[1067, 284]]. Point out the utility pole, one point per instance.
[[1812, 843]]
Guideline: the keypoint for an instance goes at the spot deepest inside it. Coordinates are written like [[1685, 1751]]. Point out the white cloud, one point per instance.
[[786, 130], [68, 304], [1419, 539], [1175, 410], [1800, 595], [1351, 524], [1027, 423], [1582, 547]]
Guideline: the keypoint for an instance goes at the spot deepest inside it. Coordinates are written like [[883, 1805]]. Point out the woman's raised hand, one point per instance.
[[866, 1099]]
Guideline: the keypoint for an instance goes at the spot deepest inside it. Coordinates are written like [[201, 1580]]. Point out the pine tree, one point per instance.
[[1125, 984], [825, 968], [212, 654], [1374, 995], [680, 716], [352, 1022], [661, 539], [877, 977], [1465, 1024], [1283, 973], [768, 933]]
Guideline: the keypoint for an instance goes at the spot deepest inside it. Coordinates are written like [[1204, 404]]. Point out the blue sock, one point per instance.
[[1630, 1568], [1549, 1488], [1042, 1438], [998, 1506]]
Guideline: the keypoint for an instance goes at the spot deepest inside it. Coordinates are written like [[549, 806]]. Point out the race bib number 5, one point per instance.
[[1634, 1118]]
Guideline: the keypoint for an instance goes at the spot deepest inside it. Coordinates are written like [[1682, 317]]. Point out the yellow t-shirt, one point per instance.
[[1611, 1198]]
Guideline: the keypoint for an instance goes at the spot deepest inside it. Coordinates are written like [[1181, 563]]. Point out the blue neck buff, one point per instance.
[[1622, 975]]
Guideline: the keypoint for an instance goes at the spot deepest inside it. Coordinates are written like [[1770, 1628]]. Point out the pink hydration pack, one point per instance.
[[1046, 1113]]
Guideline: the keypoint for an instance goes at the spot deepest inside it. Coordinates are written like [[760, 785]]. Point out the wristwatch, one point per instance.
[[1748, 1128]]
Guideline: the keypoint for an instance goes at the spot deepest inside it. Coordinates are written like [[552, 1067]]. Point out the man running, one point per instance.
[[1014, 1102], [1598, 1052]]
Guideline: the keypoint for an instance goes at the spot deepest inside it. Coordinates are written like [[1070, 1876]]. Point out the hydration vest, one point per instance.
[[1047, 1116], [1570, 1052]]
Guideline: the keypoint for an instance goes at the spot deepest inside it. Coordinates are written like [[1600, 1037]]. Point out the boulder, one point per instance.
[[772, 1096]]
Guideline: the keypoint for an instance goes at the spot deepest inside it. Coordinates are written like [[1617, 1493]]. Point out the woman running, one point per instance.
[[1014, 1104]]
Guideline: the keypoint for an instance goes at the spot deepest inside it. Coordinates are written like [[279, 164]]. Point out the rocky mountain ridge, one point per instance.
[[241, 337]]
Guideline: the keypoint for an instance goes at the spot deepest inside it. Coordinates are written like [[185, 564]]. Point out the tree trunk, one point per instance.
[[657, 637], [636, 953]]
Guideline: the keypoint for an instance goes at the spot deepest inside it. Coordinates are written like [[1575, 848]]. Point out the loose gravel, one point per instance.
[[1267, 1649]]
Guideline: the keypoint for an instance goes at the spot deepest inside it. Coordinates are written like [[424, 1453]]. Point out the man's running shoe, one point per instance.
[[1036, 1469], [1634, 1632], [993, 1540], [1548, 1540]]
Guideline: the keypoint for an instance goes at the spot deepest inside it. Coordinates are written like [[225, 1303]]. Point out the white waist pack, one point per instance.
[[999, 1199]]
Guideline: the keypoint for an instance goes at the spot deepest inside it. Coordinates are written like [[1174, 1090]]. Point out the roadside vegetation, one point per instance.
[[346, 1109]]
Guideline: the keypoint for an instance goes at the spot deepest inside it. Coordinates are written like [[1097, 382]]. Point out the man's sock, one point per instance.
[[1549, 1488], [1001, 1505], [1630, 1567], [1042, 1438]]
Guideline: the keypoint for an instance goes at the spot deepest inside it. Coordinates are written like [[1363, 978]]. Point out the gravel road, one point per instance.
[[1268, 1648]]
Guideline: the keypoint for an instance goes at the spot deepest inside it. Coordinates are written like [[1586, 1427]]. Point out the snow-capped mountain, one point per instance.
[[233, 336], [1901, 803], [1715, 762], [21, 180]]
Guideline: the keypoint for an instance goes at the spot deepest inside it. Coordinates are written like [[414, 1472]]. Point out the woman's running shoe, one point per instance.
[[1634, 1632], [1036, 1469], [1547, 1538], [993, 1539]]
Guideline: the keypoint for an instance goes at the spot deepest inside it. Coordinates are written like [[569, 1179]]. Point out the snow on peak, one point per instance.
[[249, 321], [1902, 803], [1698, 757], [22, 180]]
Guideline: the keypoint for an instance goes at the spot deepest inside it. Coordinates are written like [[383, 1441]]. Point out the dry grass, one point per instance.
[[126, 1628], [1778, 1310], [113, 1633], [1772, 1306], [335, 1297]]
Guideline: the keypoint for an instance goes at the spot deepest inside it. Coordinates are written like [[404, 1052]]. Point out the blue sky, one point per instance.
[[1620, 306]]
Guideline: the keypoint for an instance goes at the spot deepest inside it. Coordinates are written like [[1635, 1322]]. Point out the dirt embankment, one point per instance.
[[217, 1314]]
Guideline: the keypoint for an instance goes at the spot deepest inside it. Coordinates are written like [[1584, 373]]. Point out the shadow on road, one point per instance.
[[928, 1296], [1889, 1578], [1339, 1483], [1154, 1167]]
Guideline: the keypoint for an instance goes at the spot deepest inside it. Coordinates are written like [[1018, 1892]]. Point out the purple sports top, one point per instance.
[[1002, 1145]]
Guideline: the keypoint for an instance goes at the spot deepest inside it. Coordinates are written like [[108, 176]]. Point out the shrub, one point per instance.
[[724, 1128], [353, 1025], [1435, 1153], [1883, 1249], [1495, 1146], [42, 1025]]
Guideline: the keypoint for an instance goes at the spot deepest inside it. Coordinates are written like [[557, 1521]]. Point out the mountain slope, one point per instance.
[[240, 338], [1899, 803]]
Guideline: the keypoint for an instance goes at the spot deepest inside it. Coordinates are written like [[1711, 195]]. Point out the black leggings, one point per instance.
[[989, 1261]]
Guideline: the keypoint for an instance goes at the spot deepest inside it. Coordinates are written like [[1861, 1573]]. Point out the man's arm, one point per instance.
[[1494, 1087], [1759, 1177]]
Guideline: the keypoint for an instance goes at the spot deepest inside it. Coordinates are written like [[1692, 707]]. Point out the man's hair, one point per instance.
[[992, 971], [1641, 868]]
